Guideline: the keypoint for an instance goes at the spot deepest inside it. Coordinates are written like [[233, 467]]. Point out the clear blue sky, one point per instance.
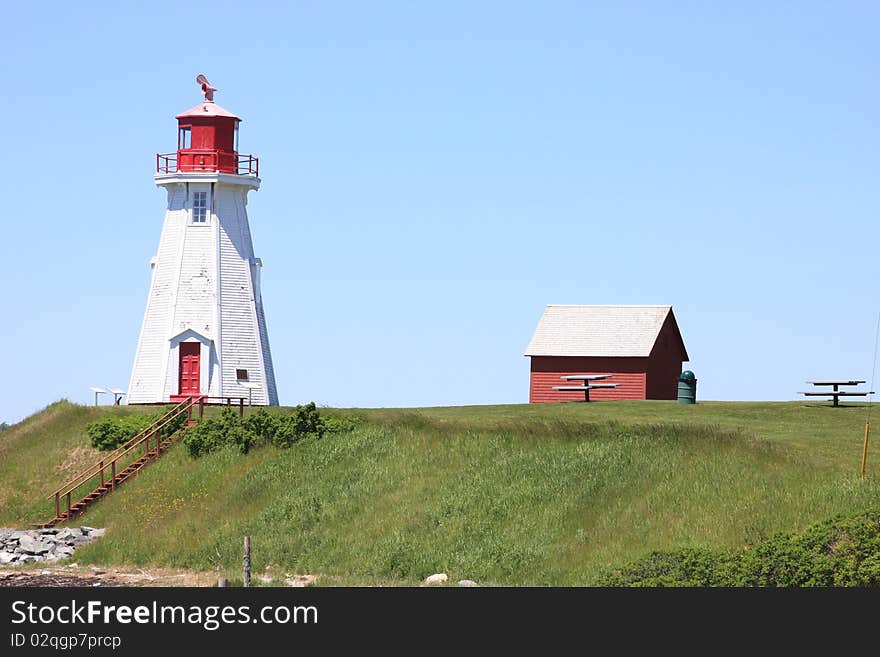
[[435, 173]]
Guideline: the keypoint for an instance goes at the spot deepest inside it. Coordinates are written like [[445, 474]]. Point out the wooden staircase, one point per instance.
[[121, 464]]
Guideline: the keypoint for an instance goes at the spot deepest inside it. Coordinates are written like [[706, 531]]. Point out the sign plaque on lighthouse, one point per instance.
[[204, 330]]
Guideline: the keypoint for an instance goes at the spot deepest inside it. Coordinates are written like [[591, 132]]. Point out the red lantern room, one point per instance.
[[207, 141]]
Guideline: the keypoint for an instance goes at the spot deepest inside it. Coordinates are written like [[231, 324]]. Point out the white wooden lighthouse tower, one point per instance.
[[204, 331]]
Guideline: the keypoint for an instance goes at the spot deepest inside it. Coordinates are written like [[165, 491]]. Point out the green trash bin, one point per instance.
[[687, 388]]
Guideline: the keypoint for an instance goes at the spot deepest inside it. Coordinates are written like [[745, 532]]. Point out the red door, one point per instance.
[[189, 369]]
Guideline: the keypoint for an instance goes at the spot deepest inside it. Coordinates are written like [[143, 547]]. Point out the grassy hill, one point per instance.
[[544, 494]]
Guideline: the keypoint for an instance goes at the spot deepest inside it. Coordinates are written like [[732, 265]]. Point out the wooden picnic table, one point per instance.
[[587, 385], [835, 393]]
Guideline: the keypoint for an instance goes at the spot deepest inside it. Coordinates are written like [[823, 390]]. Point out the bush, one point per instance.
[[259, 428], [110, 432], [215, 432], [843, 551], [304, 422]]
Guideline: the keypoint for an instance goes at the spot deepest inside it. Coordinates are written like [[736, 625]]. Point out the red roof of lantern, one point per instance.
[[207, 109]]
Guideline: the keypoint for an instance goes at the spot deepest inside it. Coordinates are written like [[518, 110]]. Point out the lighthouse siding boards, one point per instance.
[[640, 346], [240, 330], [205, 288]]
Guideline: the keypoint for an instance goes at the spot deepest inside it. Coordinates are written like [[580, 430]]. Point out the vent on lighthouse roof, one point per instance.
[[597, 331]]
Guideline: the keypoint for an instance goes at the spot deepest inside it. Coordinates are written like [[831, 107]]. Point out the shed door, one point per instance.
[[189, 368]]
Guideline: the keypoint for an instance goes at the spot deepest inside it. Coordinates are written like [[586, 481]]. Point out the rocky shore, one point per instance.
[[24, 546]]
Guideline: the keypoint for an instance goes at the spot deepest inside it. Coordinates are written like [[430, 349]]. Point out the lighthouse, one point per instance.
[[204, 329]]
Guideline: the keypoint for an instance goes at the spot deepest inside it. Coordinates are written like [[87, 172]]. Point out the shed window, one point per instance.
[[241, 375], [200, 207], [184, 138]]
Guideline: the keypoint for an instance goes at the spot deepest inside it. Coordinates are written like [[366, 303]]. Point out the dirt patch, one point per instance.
[[79, 458], [76, 575], [42, 579], [93, 576]]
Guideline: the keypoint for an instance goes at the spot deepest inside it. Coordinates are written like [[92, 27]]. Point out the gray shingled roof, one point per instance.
[[595, 331]]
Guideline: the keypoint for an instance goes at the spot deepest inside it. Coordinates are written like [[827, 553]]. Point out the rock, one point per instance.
[[435, 579], [8, 557], [97, 533], [97, 571], [64, 534], [27, 558], [32, 546], [86, 530], [467, 582]]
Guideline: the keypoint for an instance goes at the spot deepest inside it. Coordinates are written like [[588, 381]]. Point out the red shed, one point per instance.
[[639, 346]]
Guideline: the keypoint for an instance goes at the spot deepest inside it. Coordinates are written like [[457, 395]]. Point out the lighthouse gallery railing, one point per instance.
[[203, 159]]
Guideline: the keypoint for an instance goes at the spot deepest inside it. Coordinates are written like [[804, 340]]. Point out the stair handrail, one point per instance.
[[123, 449]]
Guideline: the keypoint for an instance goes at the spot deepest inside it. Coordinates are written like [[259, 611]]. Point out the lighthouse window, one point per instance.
[[184, 138], [241, 375], [200, 207]]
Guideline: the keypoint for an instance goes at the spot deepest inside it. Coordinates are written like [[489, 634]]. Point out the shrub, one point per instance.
[[339, 424], [842, 551], [304, 422], [110, 432], [261, 425], [259, 428], [215, 432]]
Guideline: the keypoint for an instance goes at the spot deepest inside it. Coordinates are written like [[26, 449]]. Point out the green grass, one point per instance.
[[522, 495]]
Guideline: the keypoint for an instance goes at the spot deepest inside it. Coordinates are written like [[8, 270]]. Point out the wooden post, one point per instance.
[[113, 472], [865, 449], [201, 407], [247, 561], [68, 505], [241, 407]]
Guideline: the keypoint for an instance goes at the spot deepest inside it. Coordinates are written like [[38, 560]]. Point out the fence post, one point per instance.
[[241, 407], [247, 561], [68, 505], [113, 472], [201, 407]]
